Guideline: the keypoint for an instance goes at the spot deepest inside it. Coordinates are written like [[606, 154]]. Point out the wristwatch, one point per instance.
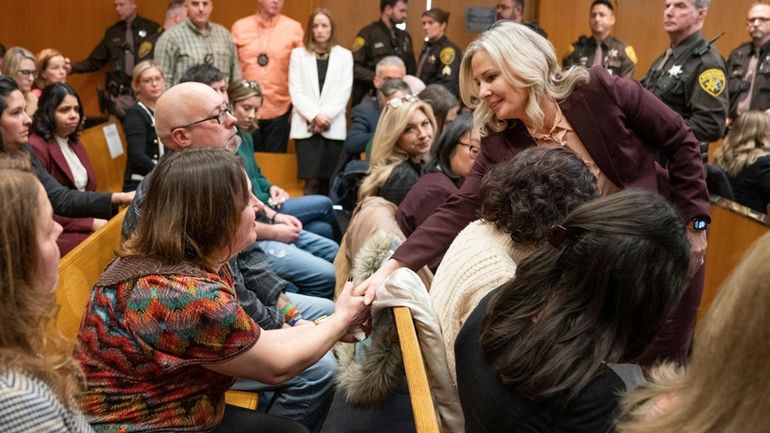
[[697, 224]]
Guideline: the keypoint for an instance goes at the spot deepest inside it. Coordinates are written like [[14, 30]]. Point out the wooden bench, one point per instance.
[[423, 408], [734, 228], [109, 171], [80, 269], [281, 170]]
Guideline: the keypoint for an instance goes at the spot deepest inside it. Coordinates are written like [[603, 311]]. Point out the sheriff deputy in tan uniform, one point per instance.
[[602, 48], [440, 58]]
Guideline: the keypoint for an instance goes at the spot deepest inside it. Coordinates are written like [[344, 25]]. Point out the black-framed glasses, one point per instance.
[[27, 73], [220, 117], [395, 103], [472, 148]]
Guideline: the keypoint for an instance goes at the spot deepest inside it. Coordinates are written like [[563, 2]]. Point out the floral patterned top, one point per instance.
[[146, 332]]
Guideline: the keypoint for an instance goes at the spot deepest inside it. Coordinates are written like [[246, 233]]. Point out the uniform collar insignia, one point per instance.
[[142, 33]]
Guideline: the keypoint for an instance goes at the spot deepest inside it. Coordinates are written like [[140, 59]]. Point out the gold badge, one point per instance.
[[712, 81], [631, 54], [144, 49], [447, 55], [358, 43]]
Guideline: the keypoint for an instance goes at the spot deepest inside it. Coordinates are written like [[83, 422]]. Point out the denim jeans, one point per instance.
[[316, 213], [306, 263], [311, 307], [305, 398]]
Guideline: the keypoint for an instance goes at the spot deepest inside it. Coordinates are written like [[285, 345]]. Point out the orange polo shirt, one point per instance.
[[276, 39]]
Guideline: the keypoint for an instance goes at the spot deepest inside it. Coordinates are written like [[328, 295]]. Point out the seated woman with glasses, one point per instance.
[[451, 160], [52, 68], [54, 139], [400, 149], [142, 144], [19, 64]]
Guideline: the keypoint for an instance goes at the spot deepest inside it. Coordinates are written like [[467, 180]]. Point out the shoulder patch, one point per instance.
[[712, 81], [358, 43], [447, 55], [144, 49], [631, 54]]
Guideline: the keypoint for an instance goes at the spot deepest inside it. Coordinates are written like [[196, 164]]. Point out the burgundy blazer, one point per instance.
[[621, 125], [52, 159]]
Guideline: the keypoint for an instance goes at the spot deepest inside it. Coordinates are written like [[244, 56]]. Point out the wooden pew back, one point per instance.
[[423, 408], [281, 170], [80, 269], [734, 228], [109, 171]]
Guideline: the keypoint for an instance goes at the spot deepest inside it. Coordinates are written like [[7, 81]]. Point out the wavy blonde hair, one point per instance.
[[386, 155], [25, 345], [526, 60], [726, 386], [746, 142]]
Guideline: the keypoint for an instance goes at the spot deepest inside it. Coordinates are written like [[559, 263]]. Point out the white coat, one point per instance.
[[309, 101]]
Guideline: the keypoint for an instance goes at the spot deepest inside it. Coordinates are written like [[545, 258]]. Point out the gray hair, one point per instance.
[[525, 60], [388, 61]]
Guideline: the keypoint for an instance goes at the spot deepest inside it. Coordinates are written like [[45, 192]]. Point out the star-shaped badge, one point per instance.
[[142, 33], [675, 70], [613, 53]]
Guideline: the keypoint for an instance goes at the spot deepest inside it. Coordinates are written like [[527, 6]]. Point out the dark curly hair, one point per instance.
[[537, 188], [44, 120]]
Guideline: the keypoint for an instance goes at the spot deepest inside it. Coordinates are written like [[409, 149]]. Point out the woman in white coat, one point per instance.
[[318, 123]]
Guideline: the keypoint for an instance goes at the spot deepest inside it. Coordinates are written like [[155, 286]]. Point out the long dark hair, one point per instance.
[[600, 295], [440, 155], [44, 120]]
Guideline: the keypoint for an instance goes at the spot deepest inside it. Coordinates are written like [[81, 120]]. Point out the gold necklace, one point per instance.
[[322, 56]]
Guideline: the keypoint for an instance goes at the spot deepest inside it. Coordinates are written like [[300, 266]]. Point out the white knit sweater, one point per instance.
[[480, 259]]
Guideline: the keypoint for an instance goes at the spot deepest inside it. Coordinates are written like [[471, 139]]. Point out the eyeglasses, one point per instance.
[[27, 72], [472, 148], [220, 117], [397, 102], [150, 80]]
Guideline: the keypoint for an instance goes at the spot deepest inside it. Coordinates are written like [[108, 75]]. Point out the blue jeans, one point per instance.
[[306, 397], [311, 307], [307, 263], [316, 213]]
